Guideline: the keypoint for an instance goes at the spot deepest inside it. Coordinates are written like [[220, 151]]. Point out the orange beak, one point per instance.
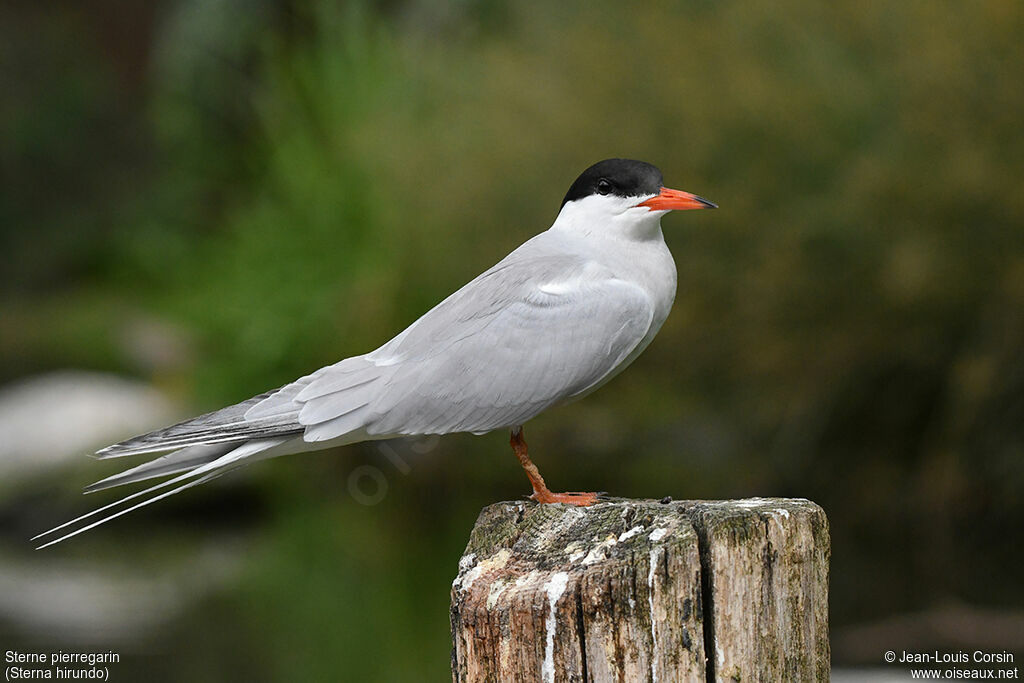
[[676, 200]]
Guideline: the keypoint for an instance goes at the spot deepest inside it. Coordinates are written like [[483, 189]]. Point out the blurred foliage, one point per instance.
[[288, 183]]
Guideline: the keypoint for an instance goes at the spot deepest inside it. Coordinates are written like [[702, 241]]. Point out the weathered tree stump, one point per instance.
[[640, 590]]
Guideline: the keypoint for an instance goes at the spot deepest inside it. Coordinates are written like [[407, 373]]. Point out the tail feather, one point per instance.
[[114, 515], [236, 457], [172, 463], [203, 448]]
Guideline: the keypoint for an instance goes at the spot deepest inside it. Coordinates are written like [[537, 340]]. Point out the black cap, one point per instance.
[[619, 177]]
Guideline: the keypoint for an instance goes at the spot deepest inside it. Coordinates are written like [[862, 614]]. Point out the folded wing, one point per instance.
[[523, 336]]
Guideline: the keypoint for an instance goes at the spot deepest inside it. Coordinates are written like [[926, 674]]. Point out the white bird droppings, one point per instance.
[[554, 588], [464, 564], [658, 534], [467, 561], [575, 551], [527, 578], [497, 588], [655, 555], [496, 561], [625, 535], [599, 551]]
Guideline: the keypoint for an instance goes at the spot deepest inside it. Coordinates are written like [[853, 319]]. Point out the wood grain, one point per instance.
[[641, 590]]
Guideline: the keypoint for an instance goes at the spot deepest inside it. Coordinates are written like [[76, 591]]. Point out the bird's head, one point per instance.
[[622, 195]]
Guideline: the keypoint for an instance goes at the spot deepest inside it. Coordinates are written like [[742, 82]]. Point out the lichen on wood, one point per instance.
[[634, 590]]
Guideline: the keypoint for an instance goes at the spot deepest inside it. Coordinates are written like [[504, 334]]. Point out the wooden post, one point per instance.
[[642, 590]]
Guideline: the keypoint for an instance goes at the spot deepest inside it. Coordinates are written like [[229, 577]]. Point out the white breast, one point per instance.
[[624, 240]]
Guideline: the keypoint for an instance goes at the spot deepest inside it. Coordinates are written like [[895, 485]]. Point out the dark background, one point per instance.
[[213, 198]]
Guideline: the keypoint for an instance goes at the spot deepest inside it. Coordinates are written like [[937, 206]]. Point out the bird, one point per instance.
[[553, 321]]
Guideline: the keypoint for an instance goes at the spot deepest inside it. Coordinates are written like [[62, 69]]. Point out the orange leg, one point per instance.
[[541, 493]]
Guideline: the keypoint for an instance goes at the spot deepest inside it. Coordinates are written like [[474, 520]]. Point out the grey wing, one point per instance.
[[520, 338], [530, 332]]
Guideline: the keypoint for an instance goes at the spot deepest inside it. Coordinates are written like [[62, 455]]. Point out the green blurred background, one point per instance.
[[213, 198]]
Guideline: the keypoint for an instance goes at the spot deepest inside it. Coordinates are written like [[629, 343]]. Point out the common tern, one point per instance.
[[548, 324]]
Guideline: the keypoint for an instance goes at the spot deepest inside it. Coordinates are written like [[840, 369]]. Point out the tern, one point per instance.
[[550, 323]]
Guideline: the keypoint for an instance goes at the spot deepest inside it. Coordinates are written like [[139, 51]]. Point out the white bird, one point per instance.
[[550, 323]]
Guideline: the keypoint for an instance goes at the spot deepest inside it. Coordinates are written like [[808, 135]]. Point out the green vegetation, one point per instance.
[[285, 187]]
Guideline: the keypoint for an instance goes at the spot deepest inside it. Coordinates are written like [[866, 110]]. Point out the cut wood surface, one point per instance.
[[738, 590]]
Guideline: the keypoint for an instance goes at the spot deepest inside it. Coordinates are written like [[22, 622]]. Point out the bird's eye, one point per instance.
[[604, 186]]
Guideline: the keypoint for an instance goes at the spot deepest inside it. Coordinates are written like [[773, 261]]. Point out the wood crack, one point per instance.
[[700, 591]]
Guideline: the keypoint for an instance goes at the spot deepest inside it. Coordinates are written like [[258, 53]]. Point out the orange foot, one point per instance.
[[574, 498]]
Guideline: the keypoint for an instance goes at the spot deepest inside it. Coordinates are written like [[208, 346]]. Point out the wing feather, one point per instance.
[[537, 329], [530, 350]]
